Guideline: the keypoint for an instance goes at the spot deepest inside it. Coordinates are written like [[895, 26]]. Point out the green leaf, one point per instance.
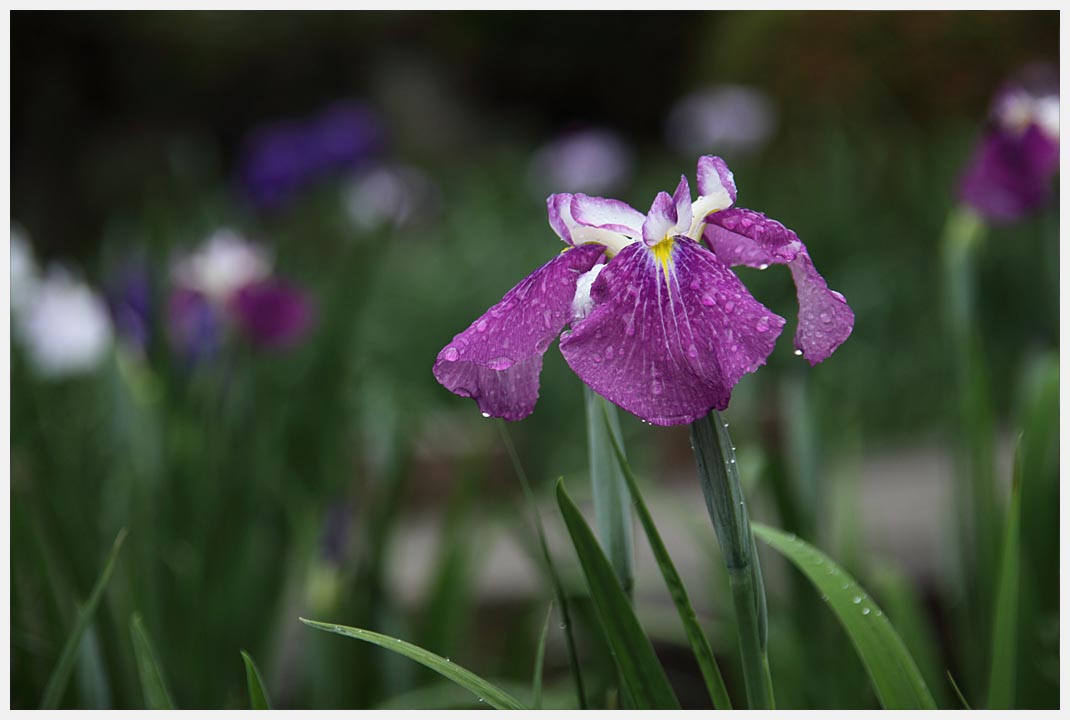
[[700, 645], [1001, 675], [895, 675], [57, 681], [540, 655], [153, 686], [258, 697], [483, 690], [612, 509], [643, 677], [551, 570]]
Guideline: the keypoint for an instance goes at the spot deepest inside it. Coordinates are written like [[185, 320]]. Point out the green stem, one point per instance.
[[719, 477], [612, 503]]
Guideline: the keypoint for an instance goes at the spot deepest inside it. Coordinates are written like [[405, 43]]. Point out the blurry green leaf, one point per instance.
[[258, 697], [153, 686], [1004, 655], [555, 578], [700, 645], [958, 693], [612, 509], [644, 678], [483, 690], [894, 673], [540, 655], [57, 681]]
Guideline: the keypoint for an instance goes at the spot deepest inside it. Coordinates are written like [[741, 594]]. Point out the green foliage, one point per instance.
[[153, 685], [258, 697]]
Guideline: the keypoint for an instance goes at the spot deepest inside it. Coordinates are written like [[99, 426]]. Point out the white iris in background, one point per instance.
[[594, 161], [723, 118], [64, 325], [24, 272], [225, 262]]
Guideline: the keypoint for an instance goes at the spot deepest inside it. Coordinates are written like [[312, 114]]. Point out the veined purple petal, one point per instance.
[[272, 313], [497, 360], [607, 214], [682, 199], [670, 334], [745, 237], [661, 219], [713, 176], [559, 210]]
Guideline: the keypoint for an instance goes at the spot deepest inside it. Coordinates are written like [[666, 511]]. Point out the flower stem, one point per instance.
[[612, 503], [719, 477]]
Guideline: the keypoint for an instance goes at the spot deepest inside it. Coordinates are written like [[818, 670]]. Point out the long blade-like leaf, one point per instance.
[[485, 691], [57, 682], [153, 686], [891, 668], [1004, 666], [642, 674], [258, 697], [700, 645], [612, 509], [540, 656]]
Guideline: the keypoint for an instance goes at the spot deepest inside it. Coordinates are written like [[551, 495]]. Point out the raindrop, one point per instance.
[[857, 600], [692, 352], [500, 363], [729, 306], [763, 266], [878, 613], [798, 352], [708, 301], [656, 388], [763, 325], [825, 317], [732, 461], [486, 414], [865, 611], [845, 586], [450, 354], [792, 537], [695, 284], [609, 352], [838, 296], [481, 326]]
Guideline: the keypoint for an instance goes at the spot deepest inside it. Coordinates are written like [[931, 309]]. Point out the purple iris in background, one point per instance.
[[272, 313], [660, 325], [129, 297], [281, 159], [1012, 168]]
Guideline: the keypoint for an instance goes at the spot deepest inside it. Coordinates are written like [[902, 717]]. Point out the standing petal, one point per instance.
[[682, 199], [660, 220], [716, 191], [745, 237], [497, 360], [668, 340]]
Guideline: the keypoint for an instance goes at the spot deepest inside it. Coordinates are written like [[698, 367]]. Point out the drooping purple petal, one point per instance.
[[745, 237], [607, 214], [1010, 174], [668, 342], [497, 360], [272, 313], [661, 219]]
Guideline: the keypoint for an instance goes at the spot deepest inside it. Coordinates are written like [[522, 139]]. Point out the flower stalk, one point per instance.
[[612, 503], [719, 477]]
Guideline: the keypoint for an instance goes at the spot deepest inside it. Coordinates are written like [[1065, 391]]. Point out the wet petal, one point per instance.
[[660, 220], [607, 214], [668, 342], [497, 360], [682, 199], [716, 190], [559, 209], [745, 237]]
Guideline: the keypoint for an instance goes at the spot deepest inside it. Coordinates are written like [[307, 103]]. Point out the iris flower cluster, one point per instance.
[[658, 322]]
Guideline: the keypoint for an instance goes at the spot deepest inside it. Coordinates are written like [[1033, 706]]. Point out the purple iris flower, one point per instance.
[[272, 313], [1011, 171], [660, 325], [129, 298], [282, 159], [194, 326]]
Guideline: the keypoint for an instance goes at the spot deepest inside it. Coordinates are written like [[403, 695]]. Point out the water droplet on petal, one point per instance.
[[763, 266], [481, 326], [695, 284], [708, 301], [609, 352], [656, 387], [486, 414], [825, 317], [729, 306], [763, 325], [838, 296], [692, 352], [798, 352], [501, 363], [450, 354]]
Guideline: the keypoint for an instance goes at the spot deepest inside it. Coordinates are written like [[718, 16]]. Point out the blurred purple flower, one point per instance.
[[272, 313], [194, 325], [280, 159], [587, 161], [1012, 168], [731, 118], [129, 298]]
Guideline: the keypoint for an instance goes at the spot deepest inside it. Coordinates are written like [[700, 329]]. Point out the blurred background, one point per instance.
[[240, 239]]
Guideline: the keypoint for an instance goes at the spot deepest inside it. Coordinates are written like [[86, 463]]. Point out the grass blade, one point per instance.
[[551, 570], [57, 681], [895, 675], [485, 691], [153, 686], [258, 697], [1001, 675], [612, 509], [700, 645], [540, 656], [643, 677]]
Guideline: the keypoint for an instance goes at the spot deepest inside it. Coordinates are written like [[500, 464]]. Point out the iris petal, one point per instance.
[[497, 360], [669, 341], [745, 237]]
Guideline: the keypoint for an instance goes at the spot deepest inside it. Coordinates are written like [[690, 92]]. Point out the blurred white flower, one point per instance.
[[64, 325], [389, 195], [24, 271], [721, 119], [224, 262], [594, 161]]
